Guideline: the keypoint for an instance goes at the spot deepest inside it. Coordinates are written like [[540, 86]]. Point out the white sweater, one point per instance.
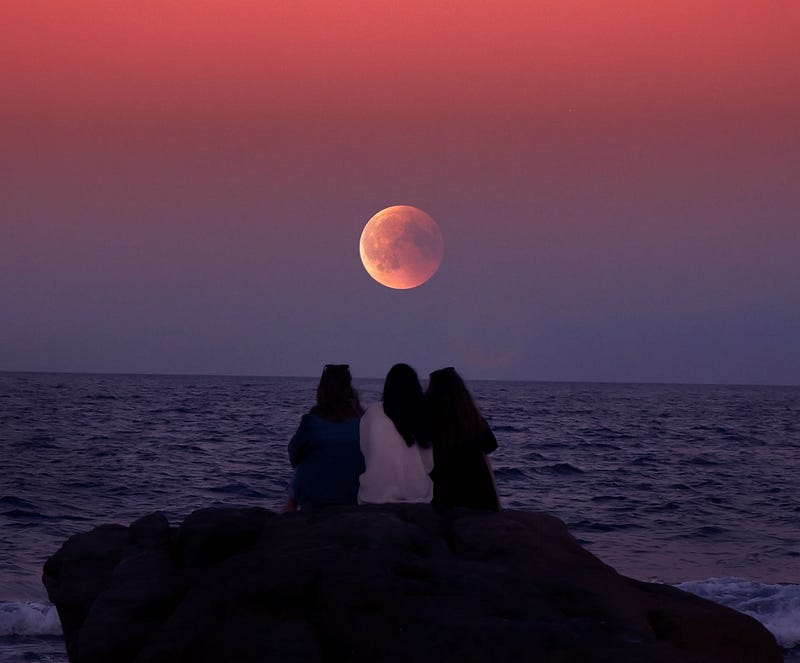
[[395, 472]]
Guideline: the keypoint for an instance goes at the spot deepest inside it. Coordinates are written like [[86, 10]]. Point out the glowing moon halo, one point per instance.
[[401, 247]]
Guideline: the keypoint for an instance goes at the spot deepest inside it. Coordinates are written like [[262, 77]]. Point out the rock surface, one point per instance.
[[384, 583]]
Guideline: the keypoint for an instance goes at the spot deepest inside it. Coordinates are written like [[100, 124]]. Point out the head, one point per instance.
[[454, 417], [404, 404], [337, 399]]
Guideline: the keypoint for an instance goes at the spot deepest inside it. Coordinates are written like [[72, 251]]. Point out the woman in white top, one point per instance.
[[396, 450]]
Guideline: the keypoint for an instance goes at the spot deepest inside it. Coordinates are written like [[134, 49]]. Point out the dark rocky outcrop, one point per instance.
[[385, 583]]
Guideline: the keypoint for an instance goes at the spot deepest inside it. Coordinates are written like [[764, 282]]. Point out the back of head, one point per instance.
[[337, 399], [454, 417], [404, 403]]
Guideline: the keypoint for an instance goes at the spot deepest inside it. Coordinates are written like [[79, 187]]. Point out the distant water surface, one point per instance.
[[674, 483]]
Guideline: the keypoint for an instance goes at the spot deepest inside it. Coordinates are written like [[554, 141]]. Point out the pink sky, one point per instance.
[[184, 184]]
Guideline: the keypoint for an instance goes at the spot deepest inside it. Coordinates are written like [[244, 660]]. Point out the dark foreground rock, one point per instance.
[[390, 583]]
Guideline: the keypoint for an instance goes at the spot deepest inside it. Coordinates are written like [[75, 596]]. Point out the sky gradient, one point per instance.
[[184, 184]]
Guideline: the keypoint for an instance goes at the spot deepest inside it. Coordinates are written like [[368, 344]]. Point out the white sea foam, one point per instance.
[[776, 606], [18, 618]]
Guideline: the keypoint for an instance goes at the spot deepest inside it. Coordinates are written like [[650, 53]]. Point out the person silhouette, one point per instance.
[[461, 439], [394, 442], [325, 449]]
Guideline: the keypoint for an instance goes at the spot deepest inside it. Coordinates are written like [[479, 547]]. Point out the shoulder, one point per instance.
[[373, 411], [375, 423], [310, 419], [313, 424]]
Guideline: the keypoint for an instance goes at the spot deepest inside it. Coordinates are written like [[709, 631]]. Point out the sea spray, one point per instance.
[[33, 619], [777, 607]]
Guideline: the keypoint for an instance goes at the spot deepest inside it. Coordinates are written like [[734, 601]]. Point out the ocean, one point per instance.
[[691, 485]]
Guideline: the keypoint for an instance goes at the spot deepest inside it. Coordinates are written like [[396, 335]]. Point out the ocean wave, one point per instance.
[[699, 460], [21, 514], [20, 618], [101, 397], [605, 446], [565, 468], [666, 506], [606, 433], [238, 489], [535, 455], [777, 607], [15, 501], [705, 532], [603, 527], [510, 473]]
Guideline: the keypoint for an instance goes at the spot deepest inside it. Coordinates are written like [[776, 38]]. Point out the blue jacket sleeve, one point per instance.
[[300, 442]]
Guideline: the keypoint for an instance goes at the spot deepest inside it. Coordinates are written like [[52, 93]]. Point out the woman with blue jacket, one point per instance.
[[325, 450]]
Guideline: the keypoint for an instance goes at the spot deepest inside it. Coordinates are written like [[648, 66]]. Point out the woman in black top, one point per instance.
[[461, 439]]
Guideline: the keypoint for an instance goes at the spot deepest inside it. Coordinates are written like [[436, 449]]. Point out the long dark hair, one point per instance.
[[337, 399], [454, 418], [404, 404]]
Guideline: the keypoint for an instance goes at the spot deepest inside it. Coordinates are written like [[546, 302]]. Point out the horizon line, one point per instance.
[[313, 377]]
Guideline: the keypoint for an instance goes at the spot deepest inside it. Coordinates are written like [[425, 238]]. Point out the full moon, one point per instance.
[[401, 247]]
